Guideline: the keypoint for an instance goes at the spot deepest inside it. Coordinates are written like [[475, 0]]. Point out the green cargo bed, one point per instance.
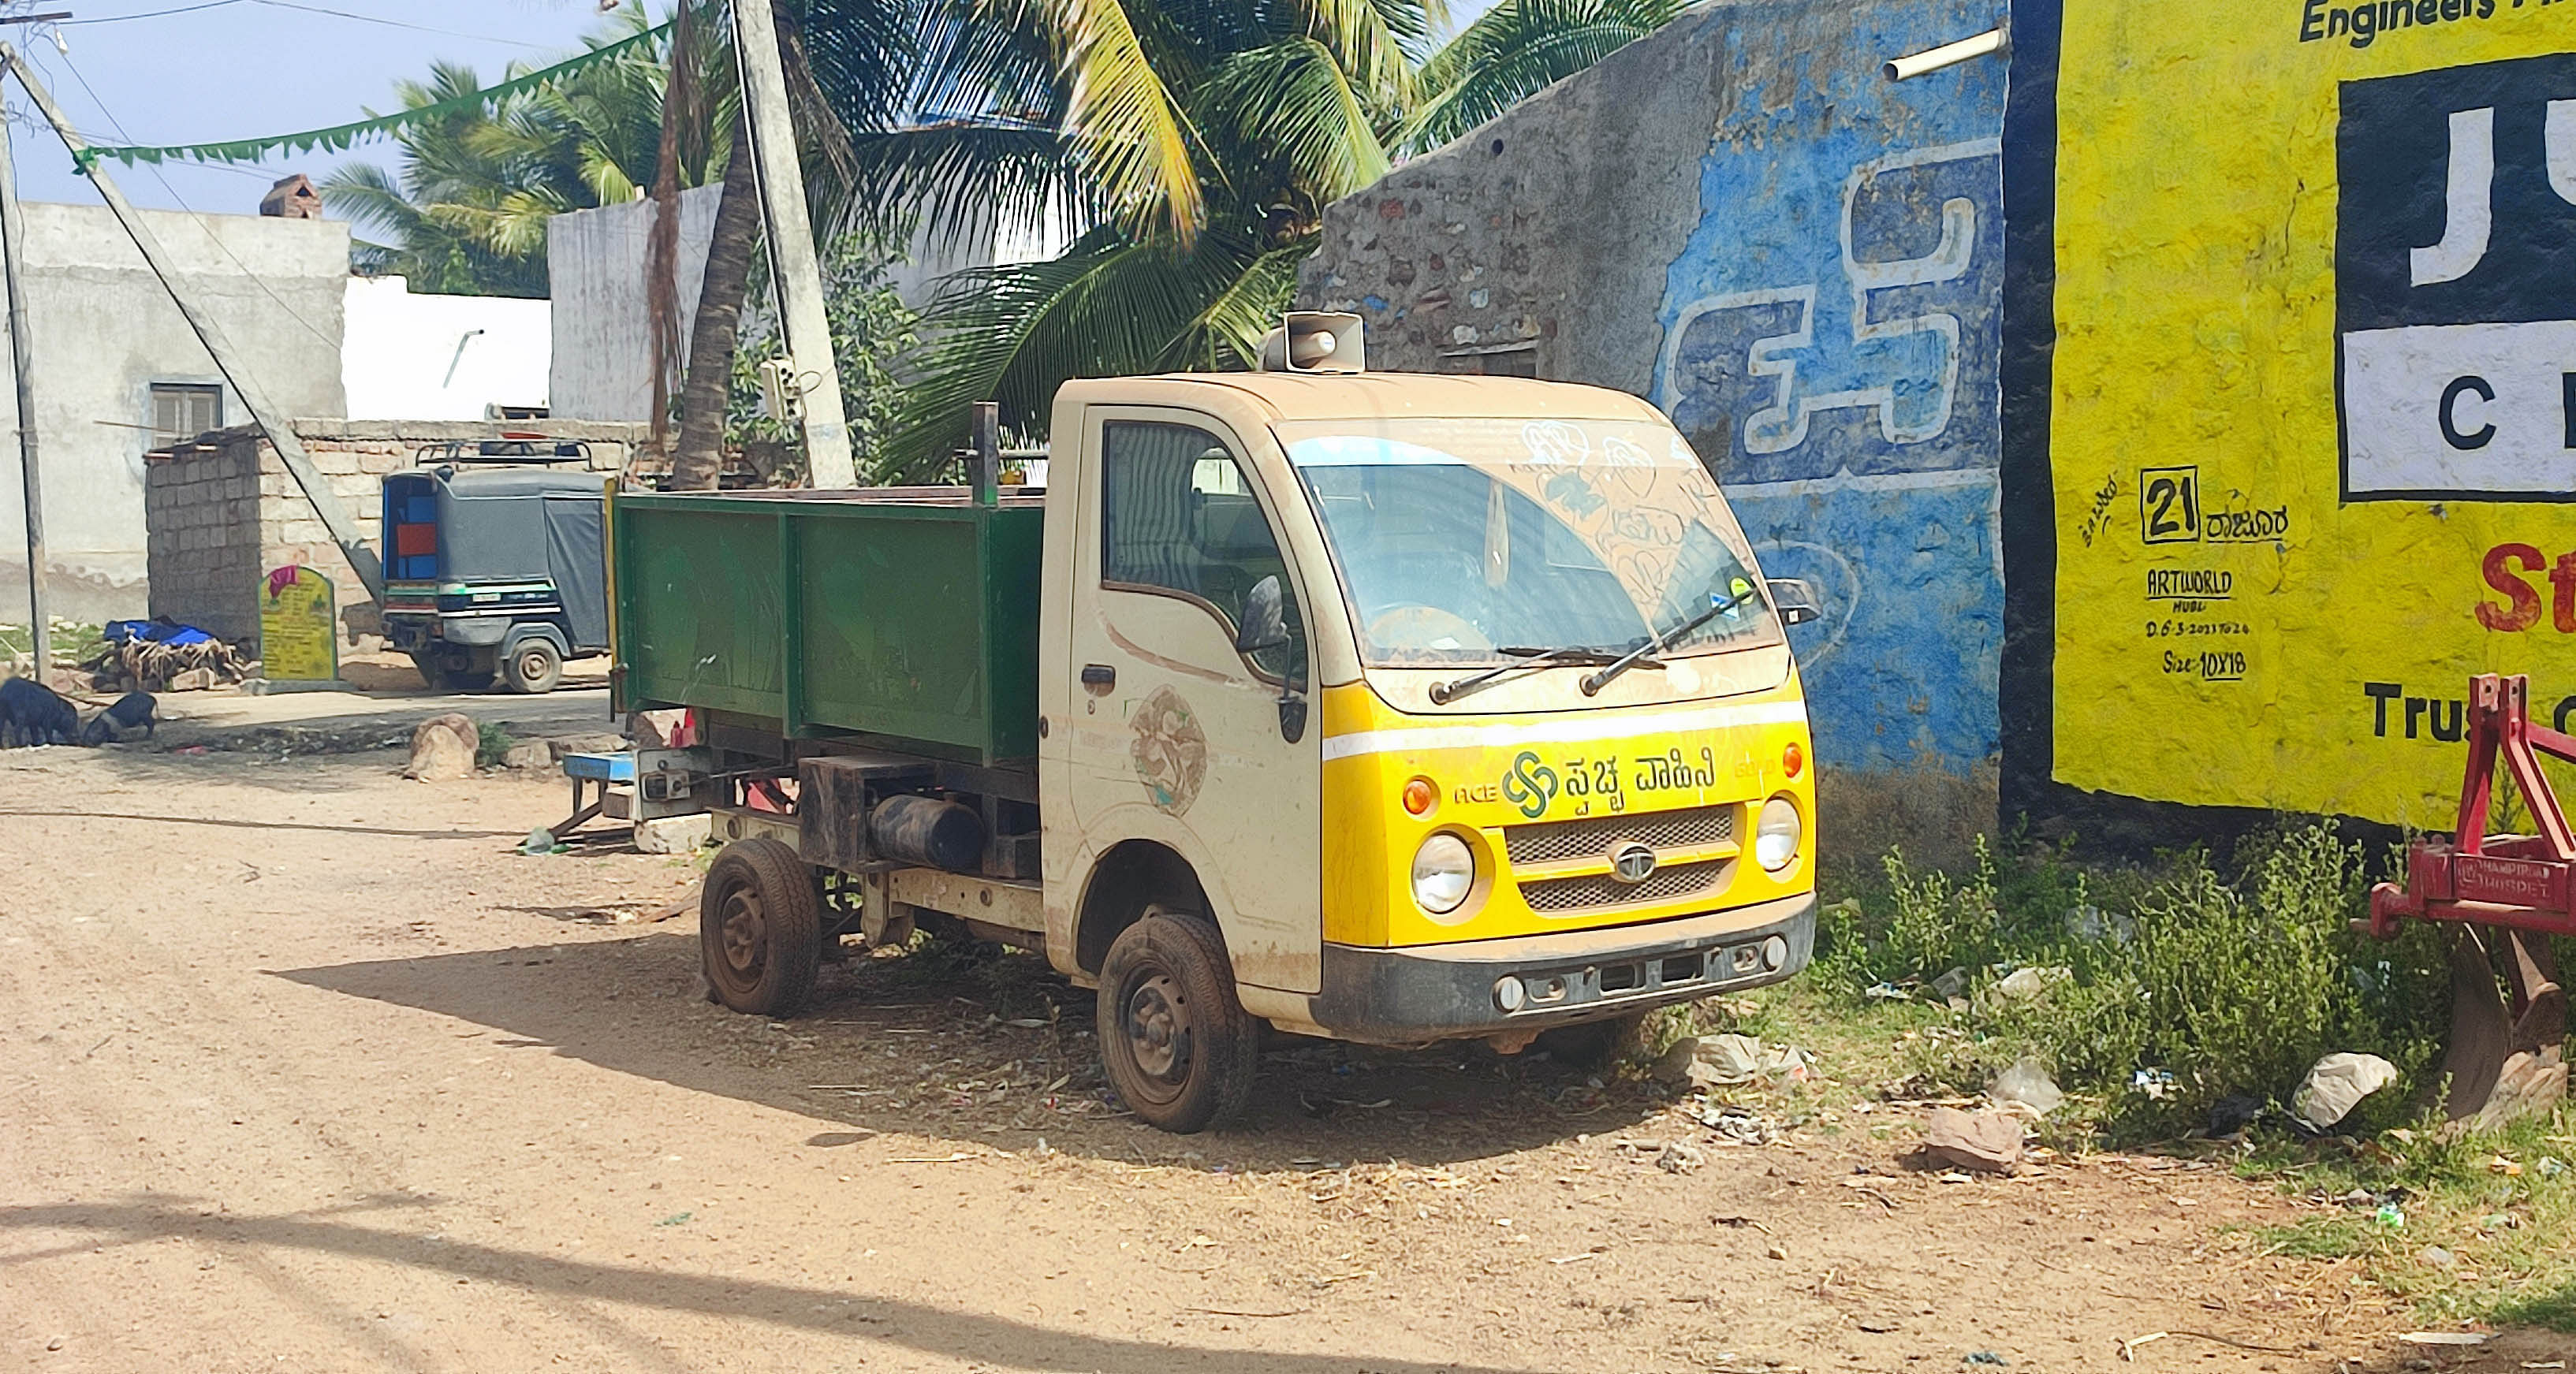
[[904, 615]]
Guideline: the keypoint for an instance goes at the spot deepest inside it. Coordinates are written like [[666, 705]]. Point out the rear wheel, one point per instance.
[[760, 929], [534, 667], [1176, 1043]]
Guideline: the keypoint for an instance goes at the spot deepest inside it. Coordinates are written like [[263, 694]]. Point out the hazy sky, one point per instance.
[[199, 71], [246, 68]]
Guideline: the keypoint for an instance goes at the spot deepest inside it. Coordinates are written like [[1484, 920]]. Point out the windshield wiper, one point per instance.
[[1594, 682], [1530, 656]]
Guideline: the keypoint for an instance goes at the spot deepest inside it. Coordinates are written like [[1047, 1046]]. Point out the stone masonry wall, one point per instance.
[[223, 510]]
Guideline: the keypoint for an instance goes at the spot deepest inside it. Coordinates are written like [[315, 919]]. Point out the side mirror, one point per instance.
[[1265, 620], [1795, 599]]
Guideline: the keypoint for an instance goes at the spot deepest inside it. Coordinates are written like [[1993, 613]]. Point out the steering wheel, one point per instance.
[[1424, 628]]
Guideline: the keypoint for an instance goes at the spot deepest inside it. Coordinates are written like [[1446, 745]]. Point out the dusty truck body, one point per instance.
[[1295, 699]]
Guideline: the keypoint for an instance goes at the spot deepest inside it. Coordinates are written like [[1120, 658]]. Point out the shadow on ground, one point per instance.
[[972, 1337], [983, 1049]]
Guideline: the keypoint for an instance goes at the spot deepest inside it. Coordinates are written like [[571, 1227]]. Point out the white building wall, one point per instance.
[[414, 356], [104, 330], [603, 365], [603, 359]]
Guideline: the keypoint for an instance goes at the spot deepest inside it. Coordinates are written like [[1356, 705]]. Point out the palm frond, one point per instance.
[[1519, 48], [1109, 305], [1294, 101], [1135, 142]]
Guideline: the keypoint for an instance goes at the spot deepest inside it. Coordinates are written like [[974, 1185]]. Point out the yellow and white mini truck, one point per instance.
[[1387, 708]]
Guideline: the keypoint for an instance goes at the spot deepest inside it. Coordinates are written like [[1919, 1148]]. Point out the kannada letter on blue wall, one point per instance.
[[1832, 334]]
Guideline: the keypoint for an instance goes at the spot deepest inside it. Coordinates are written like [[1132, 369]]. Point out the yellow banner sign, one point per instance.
[[2311, 411], [298, 624]]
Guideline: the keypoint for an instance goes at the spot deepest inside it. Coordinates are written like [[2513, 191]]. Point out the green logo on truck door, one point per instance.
[[1530, 785]]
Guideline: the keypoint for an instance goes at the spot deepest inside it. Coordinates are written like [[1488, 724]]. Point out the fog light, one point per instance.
[[1775, 952], [1793, 760], [1443, 870], [1775, 839], [1509, 994], [1419, 797]]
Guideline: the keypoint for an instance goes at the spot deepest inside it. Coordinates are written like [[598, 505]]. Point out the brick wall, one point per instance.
[[221, 511]]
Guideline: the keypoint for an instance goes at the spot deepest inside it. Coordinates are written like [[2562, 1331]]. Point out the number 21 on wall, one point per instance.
[[2169, 505]]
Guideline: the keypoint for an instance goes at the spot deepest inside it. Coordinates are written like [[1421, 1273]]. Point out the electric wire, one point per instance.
[[193, 215], [150, 14], [396, 23]]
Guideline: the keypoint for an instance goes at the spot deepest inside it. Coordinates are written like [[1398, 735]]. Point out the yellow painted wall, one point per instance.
[[2198, 212]]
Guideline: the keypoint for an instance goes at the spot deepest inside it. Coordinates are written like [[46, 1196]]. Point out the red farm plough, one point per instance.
[[2508, 895]]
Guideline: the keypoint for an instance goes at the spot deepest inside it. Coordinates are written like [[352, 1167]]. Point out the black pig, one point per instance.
[[32, 713], [132, 711]]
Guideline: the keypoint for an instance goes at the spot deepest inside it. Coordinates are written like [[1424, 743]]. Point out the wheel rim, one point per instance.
[[1157, 1022], [746, 935], [532, 665]]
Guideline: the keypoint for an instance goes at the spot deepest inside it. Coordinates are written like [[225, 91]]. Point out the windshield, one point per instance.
[[1460, 538]]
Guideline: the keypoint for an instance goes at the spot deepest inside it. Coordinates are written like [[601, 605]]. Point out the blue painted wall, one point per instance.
[[1831, 337]]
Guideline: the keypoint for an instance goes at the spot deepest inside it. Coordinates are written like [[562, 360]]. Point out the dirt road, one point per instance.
[[301, 1068]]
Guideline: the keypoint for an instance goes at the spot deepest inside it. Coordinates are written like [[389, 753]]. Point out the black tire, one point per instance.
[[760, 928], [534, 666], [1594, 1044], [1177, 1045]]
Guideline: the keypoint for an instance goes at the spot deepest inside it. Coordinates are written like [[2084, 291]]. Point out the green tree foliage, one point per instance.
[[1194, 143], [466, 214]]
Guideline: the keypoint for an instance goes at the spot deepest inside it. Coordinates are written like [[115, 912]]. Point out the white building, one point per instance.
[[408, 356]]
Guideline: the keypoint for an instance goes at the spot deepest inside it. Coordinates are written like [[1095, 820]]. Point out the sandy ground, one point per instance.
[[301, 1068]]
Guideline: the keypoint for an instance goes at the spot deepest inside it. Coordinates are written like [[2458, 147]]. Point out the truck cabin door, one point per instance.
[[1181, 737]]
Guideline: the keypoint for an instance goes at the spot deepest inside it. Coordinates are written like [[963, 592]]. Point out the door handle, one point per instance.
[[1099, 675]]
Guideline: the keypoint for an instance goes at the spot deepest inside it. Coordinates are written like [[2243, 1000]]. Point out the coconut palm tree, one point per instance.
[[466, 213], [1195, 142]]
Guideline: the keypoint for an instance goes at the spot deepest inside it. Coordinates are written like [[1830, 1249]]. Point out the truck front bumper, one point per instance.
[[1440, 992]]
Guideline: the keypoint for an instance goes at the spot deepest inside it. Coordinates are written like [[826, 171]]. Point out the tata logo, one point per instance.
[[1632, 863]]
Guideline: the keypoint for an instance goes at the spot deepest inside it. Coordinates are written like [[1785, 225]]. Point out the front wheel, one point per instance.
[[534, 667], [1177, 1045], [760, 928]]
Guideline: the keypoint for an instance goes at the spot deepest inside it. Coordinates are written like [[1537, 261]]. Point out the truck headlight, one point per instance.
[[1443, 870], [1775, 837]]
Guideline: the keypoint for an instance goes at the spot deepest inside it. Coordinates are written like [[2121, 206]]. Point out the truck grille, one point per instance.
[[1600, 889], [1593, 836]]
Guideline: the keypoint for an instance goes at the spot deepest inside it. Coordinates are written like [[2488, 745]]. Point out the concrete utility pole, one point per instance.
[[816, 372], [13, 265], [281, 435]]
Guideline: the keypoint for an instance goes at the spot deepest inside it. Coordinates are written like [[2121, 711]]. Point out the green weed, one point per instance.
[[491, 742]]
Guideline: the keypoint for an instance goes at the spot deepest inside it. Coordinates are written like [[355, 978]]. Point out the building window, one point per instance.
[[181, 413]]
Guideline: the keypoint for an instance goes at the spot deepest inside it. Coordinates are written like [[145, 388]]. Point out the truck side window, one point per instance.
[[1177, 515]]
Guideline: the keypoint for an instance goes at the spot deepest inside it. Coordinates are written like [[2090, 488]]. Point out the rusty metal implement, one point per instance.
[[2507, 895]]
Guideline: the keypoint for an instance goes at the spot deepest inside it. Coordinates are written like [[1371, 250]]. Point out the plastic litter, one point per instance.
[[2026, 1084], [541, 841], [2023, 984], [1724, 1061], [2336, 1085], [2233, 1113], [2390, 1217]]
